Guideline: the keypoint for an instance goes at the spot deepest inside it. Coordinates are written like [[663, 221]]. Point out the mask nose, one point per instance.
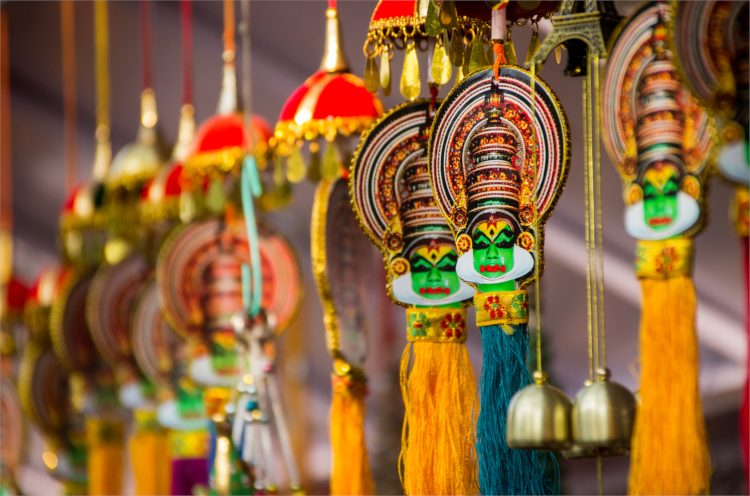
[[434, 276], [493, 253]]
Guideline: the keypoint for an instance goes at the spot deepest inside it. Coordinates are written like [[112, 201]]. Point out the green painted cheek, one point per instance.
[[435, 278], [660, 212]]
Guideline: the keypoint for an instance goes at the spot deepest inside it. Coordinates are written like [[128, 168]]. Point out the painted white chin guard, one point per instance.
[[523, 262], [403, 292], [688, 213]]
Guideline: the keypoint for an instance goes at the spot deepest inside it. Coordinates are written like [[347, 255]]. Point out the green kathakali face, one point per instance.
[[660, 187], [492, 243], [433, 271]]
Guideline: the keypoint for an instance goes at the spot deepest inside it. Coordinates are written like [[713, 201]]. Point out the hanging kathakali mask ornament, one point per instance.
[[390, 191], [710, 41], [341, 268], [199, 275], [461, 34], [498, 163], [659, 138], [329, 107]]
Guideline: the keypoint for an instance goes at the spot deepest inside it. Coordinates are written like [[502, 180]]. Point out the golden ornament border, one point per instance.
[[31, 355]]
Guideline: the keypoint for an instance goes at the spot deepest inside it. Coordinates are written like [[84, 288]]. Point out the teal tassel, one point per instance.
[[504, 372]]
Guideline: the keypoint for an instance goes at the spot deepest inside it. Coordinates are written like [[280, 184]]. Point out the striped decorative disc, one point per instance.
[[71, 338], [44, 390], [192, 255], [156, 346], [628, 58], [341, 269], [12, 427], [109, 307]]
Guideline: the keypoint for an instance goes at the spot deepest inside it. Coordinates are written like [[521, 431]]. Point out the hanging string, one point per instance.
[[591, 226], [70, 104], [186, 19], [146, 44], [586, 131], [598, 200], [101, 37], [251, 185], [229, 46], [6, 217]]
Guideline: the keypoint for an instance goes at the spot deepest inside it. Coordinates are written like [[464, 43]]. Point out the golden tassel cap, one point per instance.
[[334, 59], [603, 415], [539, 417]]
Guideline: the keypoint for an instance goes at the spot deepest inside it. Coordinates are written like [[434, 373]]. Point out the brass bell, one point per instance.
[[539, 417], [603, 416]]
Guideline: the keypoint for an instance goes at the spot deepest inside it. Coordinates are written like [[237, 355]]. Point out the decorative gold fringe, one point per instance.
[[351, 470], [437, 446], [150, 456], [669, 447], [105, 456]]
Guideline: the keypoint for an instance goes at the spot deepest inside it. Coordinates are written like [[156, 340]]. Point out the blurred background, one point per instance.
[[287, 45]]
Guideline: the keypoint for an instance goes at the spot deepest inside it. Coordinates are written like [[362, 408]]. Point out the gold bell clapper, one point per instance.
[[603, 416], [539, 417]]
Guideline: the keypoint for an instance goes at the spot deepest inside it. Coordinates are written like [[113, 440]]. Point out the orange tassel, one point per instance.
[[669, 448], [105, 456], [351, 470], [150, 456], [437, 445]]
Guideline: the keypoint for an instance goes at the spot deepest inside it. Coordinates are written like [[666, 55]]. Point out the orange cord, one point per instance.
[[229, 46], [498, 48]]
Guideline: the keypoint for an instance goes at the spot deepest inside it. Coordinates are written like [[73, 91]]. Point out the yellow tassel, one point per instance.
[[669, 450], [105, 456], [351, 470], [150, 455], [437, 447]]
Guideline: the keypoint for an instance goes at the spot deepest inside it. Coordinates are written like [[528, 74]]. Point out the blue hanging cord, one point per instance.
[[251, 187]]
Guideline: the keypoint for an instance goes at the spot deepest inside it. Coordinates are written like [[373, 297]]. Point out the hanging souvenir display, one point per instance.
[[45, 394], [392, 199], [710, 41], [224, 139], [461, 33], [329, 107], [341, 269], [659, 139], [498, 162]]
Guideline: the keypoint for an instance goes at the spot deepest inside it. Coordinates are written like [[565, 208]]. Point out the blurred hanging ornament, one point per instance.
[[222, 141], [710, 42], [660, 140], [341, 269], [331, 105]]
